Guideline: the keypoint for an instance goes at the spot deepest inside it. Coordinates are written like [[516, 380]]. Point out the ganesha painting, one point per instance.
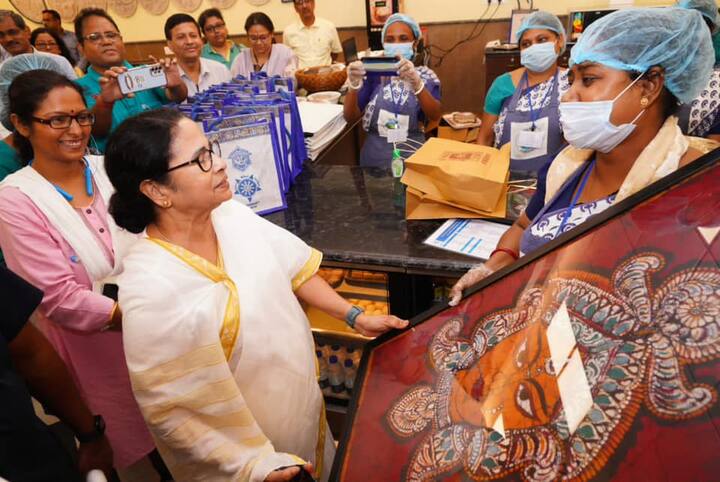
[[549, 388], [596, 358]]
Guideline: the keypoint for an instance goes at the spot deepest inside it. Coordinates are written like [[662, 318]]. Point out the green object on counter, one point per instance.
[[397, 165]]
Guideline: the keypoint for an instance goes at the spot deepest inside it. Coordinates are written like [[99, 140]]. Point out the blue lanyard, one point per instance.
[[575, 199], [88, 184], [534, 117]]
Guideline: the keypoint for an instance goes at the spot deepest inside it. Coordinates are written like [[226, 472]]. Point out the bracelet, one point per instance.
[[515, 255], [352, 315], [422, 87]]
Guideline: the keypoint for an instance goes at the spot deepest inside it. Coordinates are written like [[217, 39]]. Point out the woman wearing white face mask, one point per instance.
[[521, 107], [393, 108], [628, 73]]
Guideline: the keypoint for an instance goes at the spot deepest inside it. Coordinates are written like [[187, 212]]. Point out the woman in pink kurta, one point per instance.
[[34, 248]]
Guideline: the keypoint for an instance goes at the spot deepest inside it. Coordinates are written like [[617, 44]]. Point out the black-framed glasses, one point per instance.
[[214, 28], [64, 121], [204, 160], [96, 37]]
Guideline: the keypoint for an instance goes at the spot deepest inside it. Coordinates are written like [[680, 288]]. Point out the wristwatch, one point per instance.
[[352, 315], [98, 431]]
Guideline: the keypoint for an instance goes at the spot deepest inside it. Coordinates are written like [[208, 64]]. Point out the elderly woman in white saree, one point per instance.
[[220, 353]]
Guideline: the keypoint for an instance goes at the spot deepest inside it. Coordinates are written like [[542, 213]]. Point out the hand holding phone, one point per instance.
[[381, 65], [141, 78]]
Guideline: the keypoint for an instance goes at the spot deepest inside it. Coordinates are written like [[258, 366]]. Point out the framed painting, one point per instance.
[[597, 357]]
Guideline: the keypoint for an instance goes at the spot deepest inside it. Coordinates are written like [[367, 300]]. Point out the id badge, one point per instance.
[[530, 139], [396, 135], [527, 143]]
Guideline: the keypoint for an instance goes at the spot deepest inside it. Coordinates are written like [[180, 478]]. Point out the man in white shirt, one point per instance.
[[314, 40], [15, 40], [183, 35]]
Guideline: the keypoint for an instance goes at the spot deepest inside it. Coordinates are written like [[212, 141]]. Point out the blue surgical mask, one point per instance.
[[404, 50], [586, 125], [539, 57]]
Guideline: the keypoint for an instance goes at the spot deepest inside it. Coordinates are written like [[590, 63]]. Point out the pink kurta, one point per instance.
[[35, 250]]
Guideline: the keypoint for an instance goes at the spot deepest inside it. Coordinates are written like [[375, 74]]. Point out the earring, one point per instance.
[[644, 102], [166, 204]]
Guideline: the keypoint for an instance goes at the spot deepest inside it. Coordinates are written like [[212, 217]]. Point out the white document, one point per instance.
[[472, 237], [315, 116]]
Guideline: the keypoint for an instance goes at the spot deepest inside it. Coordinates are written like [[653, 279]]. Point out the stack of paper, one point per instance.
[[322, 123]]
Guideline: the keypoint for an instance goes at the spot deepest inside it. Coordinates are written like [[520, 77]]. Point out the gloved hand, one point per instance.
[[409, 74], [470, 278], [356, 74]]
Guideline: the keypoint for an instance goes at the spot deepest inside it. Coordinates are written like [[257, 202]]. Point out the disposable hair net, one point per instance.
[[543, 21], [406, 19], [707, 8], [635, 40], [15, 66]]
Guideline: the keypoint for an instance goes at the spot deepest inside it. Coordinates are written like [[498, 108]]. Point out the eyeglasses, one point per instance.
[[214, 28], [204, 160], [97, 37], [259, 38], [45, 45], [83, 119]]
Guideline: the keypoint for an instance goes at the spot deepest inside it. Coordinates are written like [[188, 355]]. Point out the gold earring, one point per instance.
[[166, 204], [644, 102]]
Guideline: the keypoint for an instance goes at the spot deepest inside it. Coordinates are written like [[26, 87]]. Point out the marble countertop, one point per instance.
[[356, 216]]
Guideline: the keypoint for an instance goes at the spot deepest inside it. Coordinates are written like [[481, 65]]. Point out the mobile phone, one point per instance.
[[142, 78], [381, 65]]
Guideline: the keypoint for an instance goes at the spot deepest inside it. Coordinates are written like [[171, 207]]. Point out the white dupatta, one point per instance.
[[63, 216], [219, 412]]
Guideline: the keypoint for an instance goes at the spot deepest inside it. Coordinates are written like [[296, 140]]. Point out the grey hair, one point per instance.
[[19, 21]]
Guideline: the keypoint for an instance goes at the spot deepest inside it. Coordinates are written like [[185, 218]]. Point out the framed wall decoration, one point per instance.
[[597, 357], [155, 7], [124, 8], [222, 4], [66, 8], [30, 9], [187, 5]]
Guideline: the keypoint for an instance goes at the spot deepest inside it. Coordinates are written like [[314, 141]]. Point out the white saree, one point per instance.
[[221, 358]]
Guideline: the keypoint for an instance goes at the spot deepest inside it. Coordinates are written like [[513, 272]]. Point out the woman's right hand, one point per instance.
[[287, 474], [473, 276], [356, 73]]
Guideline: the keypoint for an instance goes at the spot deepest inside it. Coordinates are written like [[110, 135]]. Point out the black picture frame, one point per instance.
[[687, 172]]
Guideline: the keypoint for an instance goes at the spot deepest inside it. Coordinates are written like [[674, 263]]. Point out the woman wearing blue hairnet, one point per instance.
[[628, 73], [521, 107], [393, 108], [701, 117]]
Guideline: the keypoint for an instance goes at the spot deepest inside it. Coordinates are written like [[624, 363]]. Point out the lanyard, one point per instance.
[[534, 117], [575, 199], [396, 104]]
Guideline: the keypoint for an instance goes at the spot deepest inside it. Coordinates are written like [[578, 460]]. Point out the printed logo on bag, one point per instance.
[[247, 187], [241, 159], [465, 156]]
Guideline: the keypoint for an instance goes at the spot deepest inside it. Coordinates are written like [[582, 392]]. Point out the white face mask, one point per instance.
[[539, 57], [586, 125]]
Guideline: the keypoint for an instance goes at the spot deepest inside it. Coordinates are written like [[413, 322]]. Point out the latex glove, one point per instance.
[[474, 276], [409, 74], [356, 73]]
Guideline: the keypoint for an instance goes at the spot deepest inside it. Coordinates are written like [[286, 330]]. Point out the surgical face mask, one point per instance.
[[586, 125], [539, 57], [404, 50]]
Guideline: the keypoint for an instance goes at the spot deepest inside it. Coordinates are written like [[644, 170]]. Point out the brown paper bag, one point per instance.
[[466, 175], [419, 205]]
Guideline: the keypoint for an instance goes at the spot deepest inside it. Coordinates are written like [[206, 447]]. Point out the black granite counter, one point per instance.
[[356, 216]]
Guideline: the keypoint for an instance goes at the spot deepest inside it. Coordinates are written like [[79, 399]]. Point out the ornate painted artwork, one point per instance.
[[187, 5], [124, 8], [30, 9], [595, 359]]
